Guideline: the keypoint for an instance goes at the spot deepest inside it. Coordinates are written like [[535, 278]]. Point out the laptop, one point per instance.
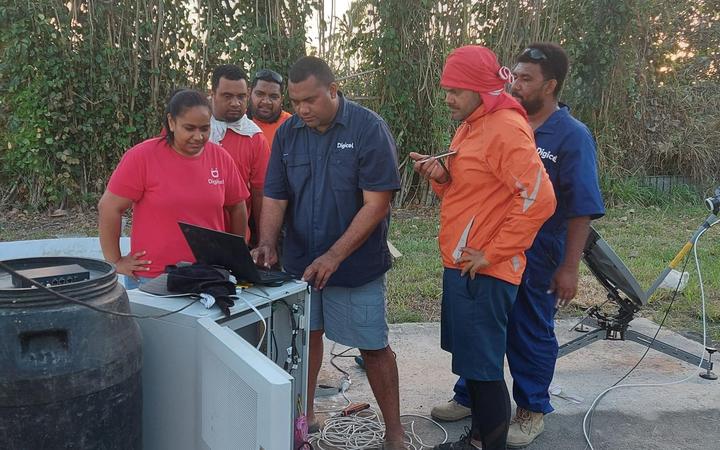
[[230, 251]]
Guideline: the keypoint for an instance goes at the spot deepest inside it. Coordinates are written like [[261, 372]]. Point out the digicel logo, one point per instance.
[[215, 173], [544, 154]]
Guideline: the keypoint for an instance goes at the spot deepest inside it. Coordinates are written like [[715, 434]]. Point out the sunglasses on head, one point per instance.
[[534, 54], [269, 75]]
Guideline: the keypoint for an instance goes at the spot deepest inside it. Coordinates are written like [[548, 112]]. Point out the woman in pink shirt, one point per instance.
[[178, 177]]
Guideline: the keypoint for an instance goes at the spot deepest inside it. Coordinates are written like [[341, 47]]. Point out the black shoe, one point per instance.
[[462, 444]]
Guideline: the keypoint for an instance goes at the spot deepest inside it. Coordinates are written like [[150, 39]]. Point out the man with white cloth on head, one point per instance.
[[240, 136]]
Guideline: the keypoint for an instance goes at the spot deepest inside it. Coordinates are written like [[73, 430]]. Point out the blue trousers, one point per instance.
[[531, 345]]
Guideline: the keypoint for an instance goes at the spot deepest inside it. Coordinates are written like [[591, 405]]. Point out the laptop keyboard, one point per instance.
[[273, 275]]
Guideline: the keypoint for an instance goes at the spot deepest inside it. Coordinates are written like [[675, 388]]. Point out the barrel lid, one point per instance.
[[66, 274]]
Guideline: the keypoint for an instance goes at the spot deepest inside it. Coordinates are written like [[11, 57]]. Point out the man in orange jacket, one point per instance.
[[495, 196]]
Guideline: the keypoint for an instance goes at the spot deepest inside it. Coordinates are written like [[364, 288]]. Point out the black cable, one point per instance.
[[294, 353], [341, 355], [652, 341], [274, 342], [11, 271]]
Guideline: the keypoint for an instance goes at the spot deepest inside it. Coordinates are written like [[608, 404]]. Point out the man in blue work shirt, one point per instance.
[[331, 177], [567, 149]]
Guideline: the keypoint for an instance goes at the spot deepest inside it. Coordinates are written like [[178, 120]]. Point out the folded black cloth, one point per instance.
[[202, 279]]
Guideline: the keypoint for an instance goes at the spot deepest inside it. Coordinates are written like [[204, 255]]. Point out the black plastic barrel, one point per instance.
[[69, 376]]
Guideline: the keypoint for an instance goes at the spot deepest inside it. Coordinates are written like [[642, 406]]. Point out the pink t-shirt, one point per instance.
[[166, 188]]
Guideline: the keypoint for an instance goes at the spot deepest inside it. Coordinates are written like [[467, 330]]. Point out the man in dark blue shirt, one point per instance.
[[567, 149], [331, 177]]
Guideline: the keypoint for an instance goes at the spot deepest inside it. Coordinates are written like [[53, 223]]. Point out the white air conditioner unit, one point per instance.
[[244, 396], [206, 386]]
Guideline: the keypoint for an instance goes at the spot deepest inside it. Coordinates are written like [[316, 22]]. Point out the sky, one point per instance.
[[340, 7]]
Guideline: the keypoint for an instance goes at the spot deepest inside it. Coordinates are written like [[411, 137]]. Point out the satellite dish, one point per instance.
[[609, 269]]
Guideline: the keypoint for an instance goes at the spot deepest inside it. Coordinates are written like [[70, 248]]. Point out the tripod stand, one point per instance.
[[625, 292]]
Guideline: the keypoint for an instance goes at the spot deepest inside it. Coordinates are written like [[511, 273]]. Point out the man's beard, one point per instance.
[[272, 119], [531, 106]]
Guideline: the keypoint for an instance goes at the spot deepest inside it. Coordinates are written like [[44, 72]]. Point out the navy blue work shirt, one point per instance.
[[567, 149], [322, 176]]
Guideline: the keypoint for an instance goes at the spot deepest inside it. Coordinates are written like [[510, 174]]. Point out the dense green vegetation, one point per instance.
[[82, 81]]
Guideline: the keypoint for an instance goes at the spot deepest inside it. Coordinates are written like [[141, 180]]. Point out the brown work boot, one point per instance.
[[524, 428], [450, 411]]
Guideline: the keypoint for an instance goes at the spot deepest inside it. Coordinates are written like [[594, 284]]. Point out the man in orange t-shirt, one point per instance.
[[495, 196], [266, 103]]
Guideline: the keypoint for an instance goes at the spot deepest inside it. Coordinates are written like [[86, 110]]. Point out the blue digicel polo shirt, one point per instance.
[[322, 177], [567, 149]]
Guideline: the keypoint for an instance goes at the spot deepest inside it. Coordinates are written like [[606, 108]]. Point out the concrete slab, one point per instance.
[[681, 416]]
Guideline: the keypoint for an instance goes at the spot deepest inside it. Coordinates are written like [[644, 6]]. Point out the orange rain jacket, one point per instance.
[[499, 194]]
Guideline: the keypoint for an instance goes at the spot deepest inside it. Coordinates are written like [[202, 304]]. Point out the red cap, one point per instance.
[[475, 68]]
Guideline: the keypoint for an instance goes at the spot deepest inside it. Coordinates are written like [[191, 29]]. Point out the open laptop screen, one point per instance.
[[218, 248]]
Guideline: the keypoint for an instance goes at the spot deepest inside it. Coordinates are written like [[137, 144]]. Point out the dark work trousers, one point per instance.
[[531, 344]]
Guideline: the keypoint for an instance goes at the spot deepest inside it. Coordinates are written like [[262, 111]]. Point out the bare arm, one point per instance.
[[565, 280], [256, 198], [238, 218], [375, 208], [110, 210], [271, 220], [258, 170]]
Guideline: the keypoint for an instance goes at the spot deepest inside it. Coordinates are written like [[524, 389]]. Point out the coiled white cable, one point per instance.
[[356, 432], [695, 370], [415, 437], [365, 430]]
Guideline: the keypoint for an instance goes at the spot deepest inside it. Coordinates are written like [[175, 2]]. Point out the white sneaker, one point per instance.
[[450, 411]]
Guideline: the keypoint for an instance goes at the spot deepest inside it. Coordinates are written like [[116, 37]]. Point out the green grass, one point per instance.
[[634, 191], [645, 237], [414, 288]]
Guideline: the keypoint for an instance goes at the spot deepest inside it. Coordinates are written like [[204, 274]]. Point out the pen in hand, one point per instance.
[[442, 155]]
